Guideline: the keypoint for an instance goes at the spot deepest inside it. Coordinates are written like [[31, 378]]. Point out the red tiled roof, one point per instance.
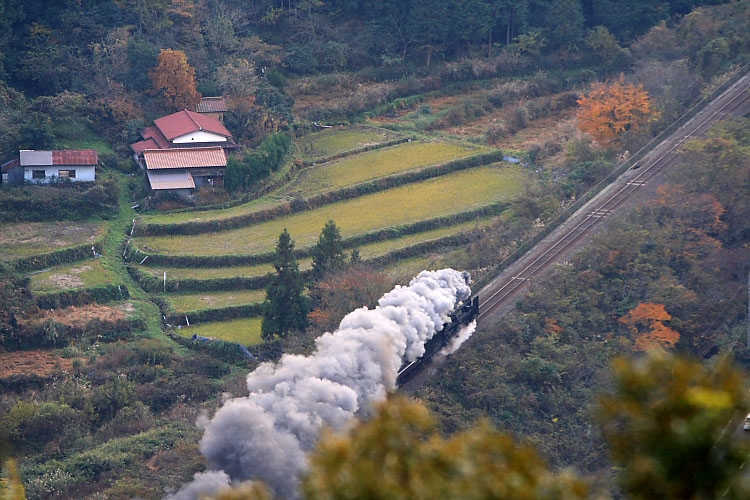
[[211, 105], [183, 122], [140, 146], [170, 180], [75, 157], [185, 158], [10, 164], [155, 134]]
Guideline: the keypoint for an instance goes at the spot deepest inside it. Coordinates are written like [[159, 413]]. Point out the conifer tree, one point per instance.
[[328, 254], [285, 308]]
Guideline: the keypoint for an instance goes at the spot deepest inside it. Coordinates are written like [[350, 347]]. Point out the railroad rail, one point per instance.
[[609, 199]]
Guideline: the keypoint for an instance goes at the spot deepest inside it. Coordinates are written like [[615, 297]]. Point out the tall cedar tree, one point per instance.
[[328, 254], [611, 110], [174, 80], [285, 308]]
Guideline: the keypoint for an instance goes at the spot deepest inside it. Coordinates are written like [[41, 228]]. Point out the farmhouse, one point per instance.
[[181, 170], [212, 106], [42, 167], [184, 129]]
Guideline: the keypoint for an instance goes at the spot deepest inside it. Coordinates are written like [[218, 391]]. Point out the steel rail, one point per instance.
[[733, 97]]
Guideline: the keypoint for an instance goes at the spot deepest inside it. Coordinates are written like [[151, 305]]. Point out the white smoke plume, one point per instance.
[[456, 342], [267, 434]]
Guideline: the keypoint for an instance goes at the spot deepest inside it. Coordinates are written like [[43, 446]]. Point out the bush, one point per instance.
[[249, 168]]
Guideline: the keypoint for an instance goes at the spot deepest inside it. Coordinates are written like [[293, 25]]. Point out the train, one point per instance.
[[464, 313]]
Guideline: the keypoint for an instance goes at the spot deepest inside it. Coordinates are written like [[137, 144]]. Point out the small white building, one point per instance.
[[42, 167]]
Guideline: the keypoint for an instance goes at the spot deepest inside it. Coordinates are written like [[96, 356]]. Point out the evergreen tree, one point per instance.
[[328, 254], [285, 308]]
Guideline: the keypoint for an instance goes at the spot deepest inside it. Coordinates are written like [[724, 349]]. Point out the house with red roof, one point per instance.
[[41, 167], [184, 129], [181, 170]]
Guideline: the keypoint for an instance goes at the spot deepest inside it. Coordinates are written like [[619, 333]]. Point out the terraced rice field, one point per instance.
[[333, 141], [375, 164], [441, 196], [366, 252], [244, 331], [201, 215], [86, 274], [213, 300], [33, 238]]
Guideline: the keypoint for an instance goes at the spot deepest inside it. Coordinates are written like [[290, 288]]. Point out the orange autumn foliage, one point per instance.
[[174, 80], [551, 327], [645, 322], [611, 110]]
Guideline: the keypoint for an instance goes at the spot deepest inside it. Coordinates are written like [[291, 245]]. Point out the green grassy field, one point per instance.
[[375, 164], [244, 331], [333, 141], [445, 195], [88, 273], [366, 252], [33, 238], [196, 216], [213, 300]]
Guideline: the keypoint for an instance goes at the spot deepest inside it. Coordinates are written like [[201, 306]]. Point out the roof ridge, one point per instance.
[[190, 114]]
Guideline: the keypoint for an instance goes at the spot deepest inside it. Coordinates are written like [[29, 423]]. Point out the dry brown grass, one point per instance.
[[38, 362]]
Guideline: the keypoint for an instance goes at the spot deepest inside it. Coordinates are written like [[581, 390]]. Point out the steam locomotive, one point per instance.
[[464, 313]]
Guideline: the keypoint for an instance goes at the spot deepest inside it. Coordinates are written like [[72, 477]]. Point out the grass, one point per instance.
[[375, 164], [88, 273], [445, 195], [213, 300], [366, 252], [336, 140], [201, 215], [404, 270], [244, 331], [33, 238]]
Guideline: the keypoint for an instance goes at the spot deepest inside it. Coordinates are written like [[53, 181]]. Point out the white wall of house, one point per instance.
[[85, 173], [198, 137]]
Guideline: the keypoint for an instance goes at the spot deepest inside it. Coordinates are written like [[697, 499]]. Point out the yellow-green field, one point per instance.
[[33, 238], [376, 164], [366, 252], [213, 300], [244, 331], [445, 195], [202, 273], [88, 273], [203, 215], [337, 140]]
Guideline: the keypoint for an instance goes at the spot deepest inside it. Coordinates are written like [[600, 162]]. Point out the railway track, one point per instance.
[[544, 253]]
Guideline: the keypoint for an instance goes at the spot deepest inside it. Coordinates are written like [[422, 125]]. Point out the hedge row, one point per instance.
[[52, 334], [58, 257], [347, 193], [231, 352], [98, 294], [354, 241], [364, 149], [151, 283], [175, 318]]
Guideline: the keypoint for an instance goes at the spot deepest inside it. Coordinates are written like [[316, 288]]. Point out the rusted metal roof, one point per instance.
[[184, 122], [75, 157], [170, 180], [9, 165], [140, 146], [211, 105], [157, 159], [33, 158]]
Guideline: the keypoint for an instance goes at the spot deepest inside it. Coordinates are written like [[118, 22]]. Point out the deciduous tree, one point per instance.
[[671, 428], [174, 80], [608, 111], [646, 322]]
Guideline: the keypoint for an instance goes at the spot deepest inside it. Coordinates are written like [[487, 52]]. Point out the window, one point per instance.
[[38, 174], [66, 174]]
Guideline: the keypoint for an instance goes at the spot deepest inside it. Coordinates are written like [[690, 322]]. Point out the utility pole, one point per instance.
[[747, 318]]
